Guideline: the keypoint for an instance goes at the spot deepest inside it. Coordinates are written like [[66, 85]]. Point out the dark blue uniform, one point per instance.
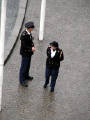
[[26, 53], [52, 67]]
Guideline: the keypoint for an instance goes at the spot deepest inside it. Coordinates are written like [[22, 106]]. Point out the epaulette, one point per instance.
[[24, 33], [61, 52]]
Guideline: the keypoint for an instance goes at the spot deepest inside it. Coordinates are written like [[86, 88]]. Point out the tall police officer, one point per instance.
[[27, 49], [54, 57]]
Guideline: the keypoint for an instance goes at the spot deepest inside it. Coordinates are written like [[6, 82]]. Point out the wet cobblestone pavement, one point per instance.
[[68, 22]]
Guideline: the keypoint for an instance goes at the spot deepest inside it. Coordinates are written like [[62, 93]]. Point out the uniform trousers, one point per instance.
[[54, 74], [24, 69]]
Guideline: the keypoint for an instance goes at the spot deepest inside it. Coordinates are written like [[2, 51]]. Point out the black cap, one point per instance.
[[54, 44], [29, 25]]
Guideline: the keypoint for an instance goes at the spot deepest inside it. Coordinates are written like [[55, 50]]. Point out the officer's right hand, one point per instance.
[[33, 49]]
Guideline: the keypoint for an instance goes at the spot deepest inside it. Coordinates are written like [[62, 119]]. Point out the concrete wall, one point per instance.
[[11, 16]]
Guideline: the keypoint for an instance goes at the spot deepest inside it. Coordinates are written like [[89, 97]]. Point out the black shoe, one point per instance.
[[29, 78], [45, 86], [24, 84], [52, 90]]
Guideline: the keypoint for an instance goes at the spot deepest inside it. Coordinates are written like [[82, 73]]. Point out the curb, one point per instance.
[[16, 31]]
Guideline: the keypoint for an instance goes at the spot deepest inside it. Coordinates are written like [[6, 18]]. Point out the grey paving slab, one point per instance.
[[68, 22]]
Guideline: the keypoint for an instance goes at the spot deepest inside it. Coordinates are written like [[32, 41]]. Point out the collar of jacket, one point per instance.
[[28, 32]]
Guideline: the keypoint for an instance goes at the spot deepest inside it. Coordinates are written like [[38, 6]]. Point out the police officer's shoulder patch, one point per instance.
[[24, 33]]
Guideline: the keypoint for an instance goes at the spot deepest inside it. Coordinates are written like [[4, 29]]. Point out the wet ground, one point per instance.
[[68, 22]]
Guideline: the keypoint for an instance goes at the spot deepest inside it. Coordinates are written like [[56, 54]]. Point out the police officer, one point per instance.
[[27, 49], [54, 57]]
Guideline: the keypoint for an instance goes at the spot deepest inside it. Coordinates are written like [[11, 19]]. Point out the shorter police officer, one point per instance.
[[54, 57], [27, 49]]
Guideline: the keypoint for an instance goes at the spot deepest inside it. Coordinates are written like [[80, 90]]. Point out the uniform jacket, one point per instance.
[[26, 44], [55, 61]]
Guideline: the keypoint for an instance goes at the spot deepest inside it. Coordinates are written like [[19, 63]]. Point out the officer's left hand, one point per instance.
[[33, 49]]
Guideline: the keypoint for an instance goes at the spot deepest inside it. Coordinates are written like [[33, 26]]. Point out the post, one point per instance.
[[2, 38], [42, 19]]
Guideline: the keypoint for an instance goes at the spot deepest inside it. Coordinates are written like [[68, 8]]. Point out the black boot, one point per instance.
[[52, 90], [45, 86], [24, 84], [29, 78]]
